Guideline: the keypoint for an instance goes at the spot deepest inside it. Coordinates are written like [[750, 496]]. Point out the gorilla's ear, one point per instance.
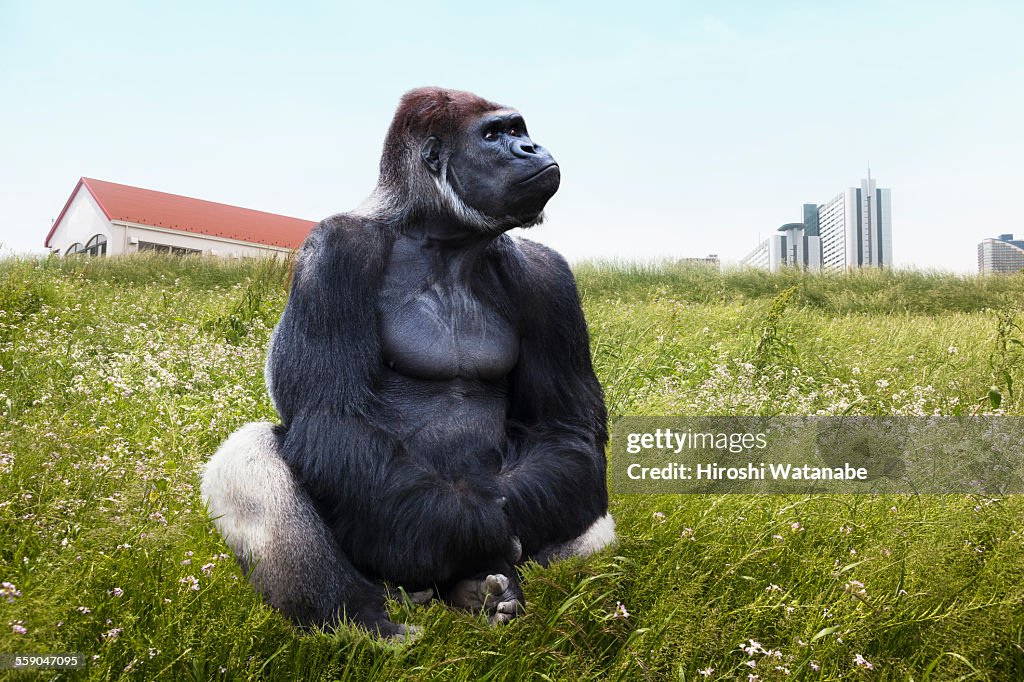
[[430, 152]]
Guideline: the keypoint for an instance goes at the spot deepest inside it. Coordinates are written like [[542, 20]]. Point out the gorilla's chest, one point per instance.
[[433, 327]]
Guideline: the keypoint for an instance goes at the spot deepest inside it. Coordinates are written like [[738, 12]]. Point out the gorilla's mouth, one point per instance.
[[539, 173]]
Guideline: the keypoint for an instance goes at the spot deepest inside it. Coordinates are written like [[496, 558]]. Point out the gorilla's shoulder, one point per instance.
[[346, 240], [345, 250], [540, 279], [542, 265], [346, 233]]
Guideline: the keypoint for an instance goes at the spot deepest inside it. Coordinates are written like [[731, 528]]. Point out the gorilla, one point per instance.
[[441, 422]]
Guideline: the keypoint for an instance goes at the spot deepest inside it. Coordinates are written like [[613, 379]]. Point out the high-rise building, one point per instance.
[[856, 228], [1002, 255], [711, 261], [764, 256], [793, 245], [852, 230]]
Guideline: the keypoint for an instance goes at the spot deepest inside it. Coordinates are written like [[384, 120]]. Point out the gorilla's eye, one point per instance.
[[491, 135], [514, 132]]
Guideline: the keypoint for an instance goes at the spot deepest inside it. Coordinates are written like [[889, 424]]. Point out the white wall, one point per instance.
[[775, 254], [814, 253], [208, 245], [80, 222]]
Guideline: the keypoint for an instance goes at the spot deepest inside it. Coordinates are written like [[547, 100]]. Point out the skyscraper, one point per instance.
[[852, 230], [793, 245], [856, 228], [1003, 255]]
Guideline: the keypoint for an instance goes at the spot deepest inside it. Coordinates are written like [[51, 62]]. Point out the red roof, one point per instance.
[[175, 212]]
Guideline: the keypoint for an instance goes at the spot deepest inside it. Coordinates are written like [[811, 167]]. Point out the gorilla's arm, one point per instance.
[[395, 517], [325, 347], [554, 476]]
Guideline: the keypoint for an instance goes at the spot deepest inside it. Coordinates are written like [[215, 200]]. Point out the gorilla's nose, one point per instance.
[[523, 148]]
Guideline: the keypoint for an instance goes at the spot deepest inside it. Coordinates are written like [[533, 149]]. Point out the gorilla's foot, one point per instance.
[[417, 598], [374, 620], [405, 635], [507, 605], [421, 597], [496, 595]]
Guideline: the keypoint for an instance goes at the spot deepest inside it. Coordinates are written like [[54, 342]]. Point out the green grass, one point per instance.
[[119, 377]]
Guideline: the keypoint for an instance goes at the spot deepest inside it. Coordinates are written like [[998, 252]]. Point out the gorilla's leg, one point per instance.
[[281, 541], [600, 534]]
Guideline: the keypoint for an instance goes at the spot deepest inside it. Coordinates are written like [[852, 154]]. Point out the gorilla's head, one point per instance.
[[455, 155]]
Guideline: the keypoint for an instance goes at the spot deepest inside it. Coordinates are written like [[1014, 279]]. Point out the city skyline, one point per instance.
[[851, 230]]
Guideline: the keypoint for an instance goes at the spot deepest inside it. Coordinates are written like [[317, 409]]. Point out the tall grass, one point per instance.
[[863, 291], [118, 378]]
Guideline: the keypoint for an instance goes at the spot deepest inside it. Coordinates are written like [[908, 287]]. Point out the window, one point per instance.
[[97, 246], [167, 248]]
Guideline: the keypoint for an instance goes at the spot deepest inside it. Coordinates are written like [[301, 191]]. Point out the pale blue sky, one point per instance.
[[682, 128]]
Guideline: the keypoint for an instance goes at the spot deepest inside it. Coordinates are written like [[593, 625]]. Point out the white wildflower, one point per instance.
[[190, 582], [8, 591]]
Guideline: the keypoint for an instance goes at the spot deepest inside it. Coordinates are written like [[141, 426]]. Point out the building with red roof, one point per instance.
[[106, 218]]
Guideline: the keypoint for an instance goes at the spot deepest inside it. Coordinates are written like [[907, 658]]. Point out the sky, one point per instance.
[[682, 128]]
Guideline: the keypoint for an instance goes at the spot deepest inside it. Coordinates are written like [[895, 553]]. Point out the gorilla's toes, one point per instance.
[[503, 600], [406, 634], [506, 611], [495, 585], [496, 594]]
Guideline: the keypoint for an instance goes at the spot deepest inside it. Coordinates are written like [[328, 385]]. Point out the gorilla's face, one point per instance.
[[496, 168]]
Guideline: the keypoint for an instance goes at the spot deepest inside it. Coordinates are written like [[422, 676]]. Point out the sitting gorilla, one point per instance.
[[440, 418]]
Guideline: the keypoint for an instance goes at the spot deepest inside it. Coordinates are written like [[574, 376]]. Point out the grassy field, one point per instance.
[[119, 377]]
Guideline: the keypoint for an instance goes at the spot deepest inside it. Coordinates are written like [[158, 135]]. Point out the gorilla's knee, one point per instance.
[[599, 535], [277, 536], [245, 486]]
